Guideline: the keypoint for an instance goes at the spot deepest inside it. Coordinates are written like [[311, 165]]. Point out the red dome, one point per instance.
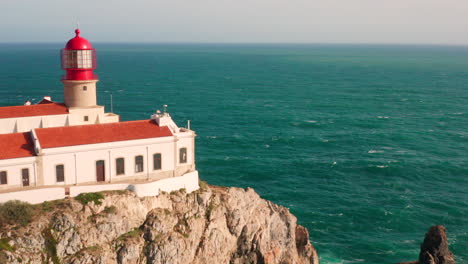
[[78, 43]]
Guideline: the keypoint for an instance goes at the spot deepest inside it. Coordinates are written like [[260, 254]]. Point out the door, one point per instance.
[[25, 176], [100, 171]]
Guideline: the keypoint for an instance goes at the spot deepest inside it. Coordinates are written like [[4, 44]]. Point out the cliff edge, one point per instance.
[[211, 225]]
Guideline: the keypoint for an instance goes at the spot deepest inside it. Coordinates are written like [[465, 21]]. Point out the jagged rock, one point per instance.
[[434, 249], [214, 225]]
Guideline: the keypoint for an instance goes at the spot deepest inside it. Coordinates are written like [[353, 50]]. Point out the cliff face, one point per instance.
[[211, 225]]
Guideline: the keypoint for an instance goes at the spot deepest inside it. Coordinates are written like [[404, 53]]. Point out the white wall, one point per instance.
[[76, 117], [34, 196], [186, 140], [188, 181], [85, 158], [13, 168], [25, 124]]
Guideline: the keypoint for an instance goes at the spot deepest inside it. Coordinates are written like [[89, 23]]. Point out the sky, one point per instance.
[[238, 21]]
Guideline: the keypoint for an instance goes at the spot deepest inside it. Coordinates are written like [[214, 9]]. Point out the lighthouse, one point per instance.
[[79, 82], [52, 150]]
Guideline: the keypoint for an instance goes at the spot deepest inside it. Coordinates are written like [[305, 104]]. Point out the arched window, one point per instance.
[[60, 173], [120, 166], [139, 163], [183, 155], [157, 161]]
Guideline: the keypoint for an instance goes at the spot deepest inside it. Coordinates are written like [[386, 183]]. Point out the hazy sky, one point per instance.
[[297, 21]]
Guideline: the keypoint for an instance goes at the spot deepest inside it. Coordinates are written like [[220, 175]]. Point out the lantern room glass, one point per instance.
[[78, 59]]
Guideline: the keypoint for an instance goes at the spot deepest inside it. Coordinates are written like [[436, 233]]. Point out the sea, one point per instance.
[[367, 145]]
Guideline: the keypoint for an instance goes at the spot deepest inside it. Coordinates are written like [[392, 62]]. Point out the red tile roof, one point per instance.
[[16, 145], [55, 137], [33, 110]]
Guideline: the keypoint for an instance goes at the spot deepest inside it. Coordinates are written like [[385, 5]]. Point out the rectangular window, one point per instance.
[[60, 173], [3, 177], [138, 163], [100, 171], [25, 176], [183, 155], [120, 166], [85, 88], [157, 161], [86, 118]]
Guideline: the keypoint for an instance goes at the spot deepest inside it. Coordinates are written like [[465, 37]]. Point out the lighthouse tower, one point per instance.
[[79, 82]]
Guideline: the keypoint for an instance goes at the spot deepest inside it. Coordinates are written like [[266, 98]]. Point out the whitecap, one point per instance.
[[267, 146], [375, 151], [311, 121], [381, 166], [325, 140]]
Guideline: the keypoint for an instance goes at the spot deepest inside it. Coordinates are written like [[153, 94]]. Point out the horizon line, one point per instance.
[[249, 43]]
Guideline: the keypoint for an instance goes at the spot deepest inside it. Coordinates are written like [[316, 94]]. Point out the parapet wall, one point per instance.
[[189, 181]]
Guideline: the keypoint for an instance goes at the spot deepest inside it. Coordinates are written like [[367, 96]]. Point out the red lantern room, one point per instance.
[[79, 59]]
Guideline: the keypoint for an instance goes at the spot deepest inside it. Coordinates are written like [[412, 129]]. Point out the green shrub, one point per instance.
[[203, 185], [16, 212], [85, 198], [110, 210], [5, 246], [136, 232]]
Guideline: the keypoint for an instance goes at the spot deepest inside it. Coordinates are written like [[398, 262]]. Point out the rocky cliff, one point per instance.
[[211, 225]]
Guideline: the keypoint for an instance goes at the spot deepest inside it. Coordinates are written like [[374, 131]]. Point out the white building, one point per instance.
[[50, 151]]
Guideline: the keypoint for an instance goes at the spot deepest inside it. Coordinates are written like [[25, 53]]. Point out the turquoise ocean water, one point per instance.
[[366, 145]]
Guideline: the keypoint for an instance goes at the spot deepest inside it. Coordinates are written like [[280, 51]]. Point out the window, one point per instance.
[[183, 155], [120, 166], [85, 88], [100, 171], [86, 118], [157, 161], [60, 173], [25, 176], [138, 163], [3, 177], [78, 59]]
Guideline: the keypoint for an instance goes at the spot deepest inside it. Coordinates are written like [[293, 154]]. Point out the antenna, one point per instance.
[[77, 24], [165, 108], [112, 104]]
